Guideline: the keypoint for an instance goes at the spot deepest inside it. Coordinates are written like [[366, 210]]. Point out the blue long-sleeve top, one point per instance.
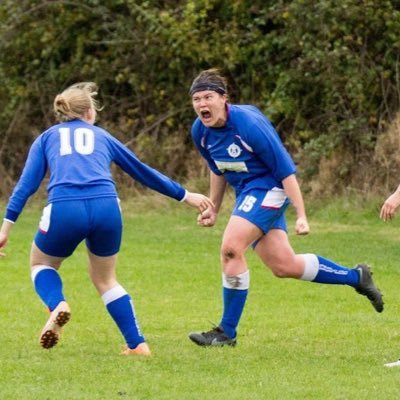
[[78, 157], [247, 150]]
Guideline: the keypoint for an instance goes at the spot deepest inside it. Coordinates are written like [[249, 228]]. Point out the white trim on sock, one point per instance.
[[113, 294], [311, 267], [238, 282], [38, 269]]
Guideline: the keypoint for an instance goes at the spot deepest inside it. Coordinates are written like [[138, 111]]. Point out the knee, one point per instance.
[[37, 266], [103, 286], [229, 253]]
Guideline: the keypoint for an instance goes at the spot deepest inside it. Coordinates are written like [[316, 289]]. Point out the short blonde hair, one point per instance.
[[74, 101]]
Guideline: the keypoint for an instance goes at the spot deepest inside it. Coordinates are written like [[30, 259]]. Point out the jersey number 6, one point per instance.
[[83, 141]]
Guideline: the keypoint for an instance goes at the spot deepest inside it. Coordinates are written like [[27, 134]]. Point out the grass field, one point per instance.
[[297, 340]]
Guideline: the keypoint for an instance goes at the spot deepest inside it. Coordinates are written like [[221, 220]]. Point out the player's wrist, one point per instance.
[[213, 211], [185, 195]]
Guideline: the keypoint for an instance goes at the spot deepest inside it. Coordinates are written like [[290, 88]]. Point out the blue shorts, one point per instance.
[[265, 209], [65, 224]]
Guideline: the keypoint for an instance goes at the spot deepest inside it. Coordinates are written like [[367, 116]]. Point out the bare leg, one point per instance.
[[278, 255]]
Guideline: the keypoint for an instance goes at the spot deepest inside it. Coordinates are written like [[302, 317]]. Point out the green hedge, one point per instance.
[[325, 72]]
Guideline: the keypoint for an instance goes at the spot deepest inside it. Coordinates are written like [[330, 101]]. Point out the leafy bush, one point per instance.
[[325, 72]]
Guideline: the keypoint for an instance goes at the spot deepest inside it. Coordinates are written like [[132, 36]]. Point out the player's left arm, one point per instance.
[[269, 147], [28, 183], [32, 175], [292, 190], [390, 205]]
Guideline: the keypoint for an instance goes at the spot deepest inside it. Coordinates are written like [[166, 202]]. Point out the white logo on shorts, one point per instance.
[[275, 198], [44, 223]]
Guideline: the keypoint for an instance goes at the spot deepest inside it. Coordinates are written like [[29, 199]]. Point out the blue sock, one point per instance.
[[234, 302], [235, 290], [48, 286], [331, 273], [120, 306]]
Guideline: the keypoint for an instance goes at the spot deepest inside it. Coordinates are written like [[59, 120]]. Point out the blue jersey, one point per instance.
[[78, 157], [247, 150]]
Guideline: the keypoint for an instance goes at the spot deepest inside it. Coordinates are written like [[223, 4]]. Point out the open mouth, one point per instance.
[[205, 115]]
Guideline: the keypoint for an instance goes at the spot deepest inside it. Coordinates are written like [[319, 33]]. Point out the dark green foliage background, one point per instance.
[[325, 72]]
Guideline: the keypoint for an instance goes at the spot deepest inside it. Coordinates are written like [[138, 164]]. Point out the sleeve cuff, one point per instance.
[[11, 216], [184, 196]]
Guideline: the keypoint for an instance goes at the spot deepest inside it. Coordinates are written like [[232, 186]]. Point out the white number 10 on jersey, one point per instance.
[[83, 141]]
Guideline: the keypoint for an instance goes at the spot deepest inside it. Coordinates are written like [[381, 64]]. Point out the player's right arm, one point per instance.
[[217, 180], [154, 179], [217, 190], [4, 233]]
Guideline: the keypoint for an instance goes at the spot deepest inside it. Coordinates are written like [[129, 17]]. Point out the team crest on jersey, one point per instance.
[[234, 150]]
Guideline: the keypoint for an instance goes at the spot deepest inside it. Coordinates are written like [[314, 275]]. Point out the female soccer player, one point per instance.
[[83, 204], [243, 149], [387, 213]]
